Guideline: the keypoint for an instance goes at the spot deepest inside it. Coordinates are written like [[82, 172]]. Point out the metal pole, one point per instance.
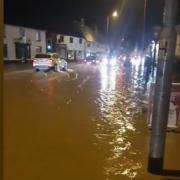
[[154, 59], [144, 24], [107, 21], [162, 88]]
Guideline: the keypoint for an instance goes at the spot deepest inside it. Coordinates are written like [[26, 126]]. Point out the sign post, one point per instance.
[[162, 88]]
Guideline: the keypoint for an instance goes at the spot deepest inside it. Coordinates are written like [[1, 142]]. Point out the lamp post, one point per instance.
[[144, 24], [160, 113], [114, 15]]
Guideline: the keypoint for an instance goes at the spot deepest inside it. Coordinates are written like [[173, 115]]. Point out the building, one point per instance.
[[75, 43], [95, 48], [22, 42], [74, 46], [177, 52]]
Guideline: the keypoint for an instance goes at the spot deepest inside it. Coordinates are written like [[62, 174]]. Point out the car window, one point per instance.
[[42, 56]]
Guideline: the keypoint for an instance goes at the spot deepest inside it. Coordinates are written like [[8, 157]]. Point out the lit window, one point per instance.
[[38, 36]]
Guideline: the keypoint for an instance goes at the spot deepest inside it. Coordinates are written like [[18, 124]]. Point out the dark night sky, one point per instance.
[[57, 15]]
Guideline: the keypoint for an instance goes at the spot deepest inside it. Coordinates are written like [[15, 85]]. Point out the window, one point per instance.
[[80, 40], [38, 49], [61, 39], [71, 40], [4, 31], [5, 50], [38, 36], [21, 32], [43, 56]]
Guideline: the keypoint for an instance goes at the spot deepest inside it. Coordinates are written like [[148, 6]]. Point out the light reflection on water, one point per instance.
[[115, 128]]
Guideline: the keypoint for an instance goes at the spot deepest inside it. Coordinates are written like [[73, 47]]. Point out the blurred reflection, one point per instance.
[[108, 78], [117, 105], [44, 82]]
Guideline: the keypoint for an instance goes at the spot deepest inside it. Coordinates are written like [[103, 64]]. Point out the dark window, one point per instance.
[[61, 39], [38, 36], [22, 50], [43, 56], [18, 51], [71, 40], [5, 50], [38, 49], [80, 40]]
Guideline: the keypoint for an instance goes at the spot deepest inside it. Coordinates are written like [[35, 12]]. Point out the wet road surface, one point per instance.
[[90, 126]]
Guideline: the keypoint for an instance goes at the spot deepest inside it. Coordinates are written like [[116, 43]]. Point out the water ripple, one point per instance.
[[117, 103]]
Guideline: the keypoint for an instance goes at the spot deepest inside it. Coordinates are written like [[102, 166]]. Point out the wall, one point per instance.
[[12, 33], [76, 46], [178, 46]]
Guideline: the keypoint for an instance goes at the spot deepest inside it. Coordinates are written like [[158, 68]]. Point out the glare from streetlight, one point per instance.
[[115, 14]]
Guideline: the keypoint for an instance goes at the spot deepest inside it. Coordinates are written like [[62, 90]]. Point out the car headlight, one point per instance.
[[105, 61], [113, 62]]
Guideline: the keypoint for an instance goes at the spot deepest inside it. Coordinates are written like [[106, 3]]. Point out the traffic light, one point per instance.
[[49, 45]]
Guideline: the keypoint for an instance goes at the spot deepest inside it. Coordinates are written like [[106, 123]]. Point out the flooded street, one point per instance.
[[89, 126]]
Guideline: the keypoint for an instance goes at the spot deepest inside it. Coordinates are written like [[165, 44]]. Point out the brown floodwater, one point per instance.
[[91, 126]]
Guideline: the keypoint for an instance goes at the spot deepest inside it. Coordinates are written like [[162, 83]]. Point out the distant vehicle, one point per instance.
[[92, 60], [49, 61]]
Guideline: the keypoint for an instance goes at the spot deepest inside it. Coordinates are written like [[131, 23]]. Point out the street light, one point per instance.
[[114, 15], [144, 24]]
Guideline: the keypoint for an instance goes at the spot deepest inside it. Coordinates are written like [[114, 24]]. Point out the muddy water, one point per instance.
[[91, 127]]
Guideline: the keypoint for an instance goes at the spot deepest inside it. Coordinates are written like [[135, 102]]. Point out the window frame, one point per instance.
[[71, 40], [38, 36]]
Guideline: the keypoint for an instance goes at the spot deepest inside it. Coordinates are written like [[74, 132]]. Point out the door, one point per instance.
[[61, 50]]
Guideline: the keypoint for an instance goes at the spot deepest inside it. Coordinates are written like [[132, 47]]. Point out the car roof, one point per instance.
[[52, 53]]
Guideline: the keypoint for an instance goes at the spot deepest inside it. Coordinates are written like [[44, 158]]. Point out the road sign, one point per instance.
[[174, 106]]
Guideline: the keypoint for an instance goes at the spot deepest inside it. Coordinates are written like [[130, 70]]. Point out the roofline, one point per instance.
[[71, 36], [25, 27]]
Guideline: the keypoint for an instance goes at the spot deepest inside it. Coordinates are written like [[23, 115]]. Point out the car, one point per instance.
[[45, 61], [92, 60]]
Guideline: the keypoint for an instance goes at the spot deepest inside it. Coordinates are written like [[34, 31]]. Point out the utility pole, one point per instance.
[[166, 57], [144, 25], [107, 24]]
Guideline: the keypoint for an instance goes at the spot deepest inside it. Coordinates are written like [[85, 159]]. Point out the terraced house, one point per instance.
[[22, 43]]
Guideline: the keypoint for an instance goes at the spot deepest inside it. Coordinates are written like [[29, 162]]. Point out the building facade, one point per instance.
[[177, 53], [73, 46], [22, 43]]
